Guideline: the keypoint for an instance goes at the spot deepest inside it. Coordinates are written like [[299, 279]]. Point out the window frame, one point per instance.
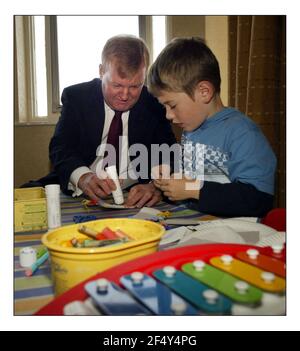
[[24, 68]]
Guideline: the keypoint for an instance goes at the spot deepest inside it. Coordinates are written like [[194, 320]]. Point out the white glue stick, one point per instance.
[[118, 193], [53, 205]]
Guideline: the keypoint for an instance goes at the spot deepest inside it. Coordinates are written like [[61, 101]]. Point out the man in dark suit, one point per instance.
[[87, 114]]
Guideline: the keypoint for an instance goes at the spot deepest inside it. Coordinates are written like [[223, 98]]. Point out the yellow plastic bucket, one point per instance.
[[71, 265]]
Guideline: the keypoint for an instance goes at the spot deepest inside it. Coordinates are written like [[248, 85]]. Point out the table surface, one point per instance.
[[32, 293]]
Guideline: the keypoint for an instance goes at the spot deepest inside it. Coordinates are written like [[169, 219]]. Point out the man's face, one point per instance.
[[121, 93]]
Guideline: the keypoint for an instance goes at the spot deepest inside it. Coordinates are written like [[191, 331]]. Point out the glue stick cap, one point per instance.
[[27, 256], [52, 189]]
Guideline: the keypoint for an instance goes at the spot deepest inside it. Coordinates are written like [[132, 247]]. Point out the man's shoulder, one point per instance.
[[81, 88], [148, 102], [145, 94]]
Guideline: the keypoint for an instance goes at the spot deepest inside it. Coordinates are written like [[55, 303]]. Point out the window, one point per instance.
[[40, 66], [158, 34], [53, 52], [80, 41]]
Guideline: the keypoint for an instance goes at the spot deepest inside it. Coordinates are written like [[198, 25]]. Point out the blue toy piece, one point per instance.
[[81, 219], [113, 300], [157, 297]]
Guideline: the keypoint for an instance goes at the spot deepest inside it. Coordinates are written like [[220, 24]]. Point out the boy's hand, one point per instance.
[[179, 189], [161, 171], [143, 195]]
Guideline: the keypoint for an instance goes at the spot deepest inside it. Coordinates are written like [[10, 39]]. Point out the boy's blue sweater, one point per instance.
[[235, 152]]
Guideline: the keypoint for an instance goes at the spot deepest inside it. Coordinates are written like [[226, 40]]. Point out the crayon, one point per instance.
[[88, 231], [101, 243], [109, 234], [36, 265], [123, 235], [91, 233], [41, 252]]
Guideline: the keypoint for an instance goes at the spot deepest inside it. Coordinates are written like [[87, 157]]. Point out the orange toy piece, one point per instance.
[[66, 243]]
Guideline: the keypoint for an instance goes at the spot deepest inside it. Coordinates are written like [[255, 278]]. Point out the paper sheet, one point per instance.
[[277, 238], [146, 213], [222, 234], [233, 231]]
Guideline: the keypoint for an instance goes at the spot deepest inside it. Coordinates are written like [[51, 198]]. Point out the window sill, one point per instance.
[[35, 123]]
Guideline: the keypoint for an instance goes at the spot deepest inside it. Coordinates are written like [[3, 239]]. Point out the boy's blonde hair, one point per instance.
[[128, 51], [182, 64]]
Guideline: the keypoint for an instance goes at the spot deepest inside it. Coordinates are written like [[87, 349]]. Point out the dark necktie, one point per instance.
[[115, 130]]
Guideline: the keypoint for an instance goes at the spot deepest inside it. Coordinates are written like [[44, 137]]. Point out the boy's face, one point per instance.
[[182, 110]]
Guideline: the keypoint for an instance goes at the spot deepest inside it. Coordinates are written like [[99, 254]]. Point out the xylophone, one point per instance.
[[212, 279]]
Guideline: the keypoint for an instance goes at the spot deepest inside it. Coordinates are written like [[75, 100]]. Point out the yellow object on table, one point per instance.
[[70, 265], [165, 214], [30, 209]]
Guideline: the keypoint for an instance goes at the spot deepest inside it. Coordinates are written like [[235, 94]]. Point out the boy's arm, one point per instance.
[[232, 200], [251, 170]]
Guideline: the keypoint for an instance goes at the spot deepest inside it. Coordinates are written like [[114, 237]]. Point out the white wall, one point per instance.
[[216, 35]]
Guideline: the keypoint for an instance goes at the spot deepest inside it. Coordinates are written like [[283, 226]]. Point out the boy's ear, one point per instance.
[[205, 91]]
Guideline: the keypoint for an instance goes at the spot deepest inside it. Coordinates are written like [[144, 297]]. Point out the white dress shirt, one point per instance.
[[125, 166]]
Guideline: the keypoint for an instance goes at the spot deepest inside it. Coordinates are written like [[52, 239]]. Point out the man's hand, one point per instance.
[[94, 187], [143, 195]]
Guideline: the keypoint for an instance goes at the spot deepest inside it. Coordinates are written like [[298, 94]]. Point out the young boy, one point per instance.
[[238, 163]]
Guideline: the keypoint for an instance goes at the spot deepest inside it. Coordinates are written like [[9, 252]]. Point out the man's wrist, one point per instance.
[[84, 179], [77, 174]]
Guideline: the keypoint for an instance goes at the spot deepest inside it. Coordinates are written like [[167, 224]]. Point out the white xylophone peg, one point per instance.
[[277, 248], [210, 296], [137, 277], [169, 271], [241, 287], [178, 308], [226, 259], [253, 254], [199, 265], [268, 277], [102, 285]]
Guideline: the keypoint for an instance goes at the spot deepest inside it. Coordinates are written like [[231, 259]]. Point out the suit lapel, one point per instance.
[[137, 123], [96, 114], [133, 126]]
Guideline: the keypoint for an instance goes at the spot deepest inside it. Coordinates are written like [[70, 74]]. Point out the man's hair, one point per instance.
[[182, 64], [128, 51]]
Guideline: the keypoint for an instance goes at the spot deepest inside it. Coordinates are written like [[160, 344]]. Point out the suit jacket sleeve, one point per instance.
[[76, 134]]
